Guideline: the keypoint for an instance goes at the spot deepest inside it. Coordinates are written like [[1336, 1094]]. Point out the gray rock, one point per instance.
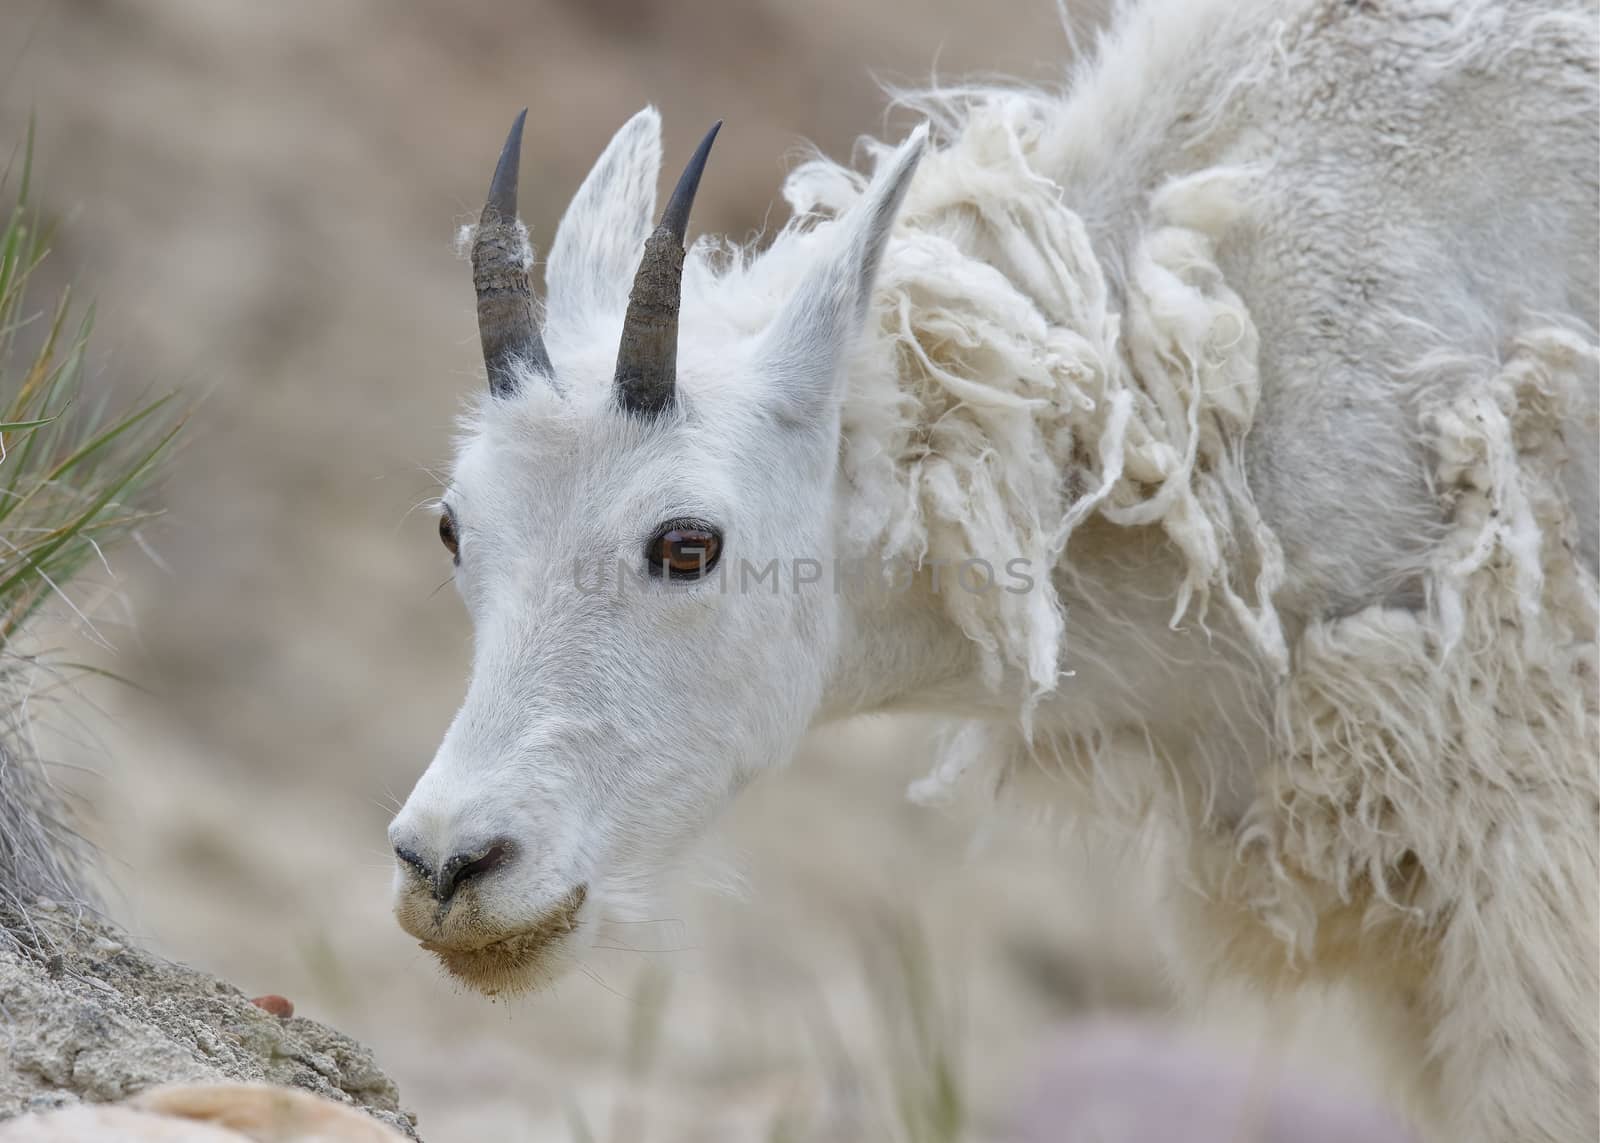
[[85, 1016]]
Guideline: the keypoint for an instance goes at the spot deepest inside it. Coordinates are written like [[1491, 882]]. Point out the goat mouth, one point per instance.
[[508, 963]]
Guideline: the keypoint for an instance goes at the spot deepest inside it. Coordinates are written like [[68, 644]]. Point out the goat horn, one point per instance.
[[647, 359], [500, 277]]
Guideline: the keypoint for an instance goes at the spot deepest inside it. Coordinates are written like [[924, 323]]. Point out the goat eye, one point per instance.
[[447, 535], [684, 551]]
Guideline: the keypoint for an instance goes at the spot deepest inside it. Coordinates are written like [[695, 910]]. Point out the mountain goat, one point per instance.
[[1215, 440]]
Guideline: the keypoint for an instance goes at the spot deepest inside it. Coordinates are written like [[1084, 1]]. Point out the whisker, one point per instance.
[[592, 975]]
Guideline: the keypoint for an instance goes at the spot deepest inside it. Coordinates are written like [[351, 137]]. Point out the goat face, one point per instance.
[[618, 519]]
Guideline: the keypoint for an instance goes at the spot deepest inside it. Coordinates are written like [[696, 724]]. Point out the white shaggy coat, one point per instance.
[[1289, 307], [1273, 337]]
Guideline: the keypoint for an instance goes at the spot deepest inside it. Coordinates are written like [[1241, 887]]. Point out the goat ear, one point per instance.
[[597, 245], [805, 347]]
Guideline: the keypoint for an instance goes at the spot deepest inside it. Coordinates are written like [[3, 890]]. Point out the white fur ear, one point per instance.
[[598, 243], [804, 348]]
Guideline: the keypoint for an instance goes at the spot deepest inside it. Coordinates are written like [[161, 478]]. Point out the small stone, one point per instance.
[[276, 1005]]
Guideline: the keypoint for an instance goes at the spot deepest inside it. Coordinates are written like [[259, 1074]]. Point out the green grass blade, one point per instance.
[[35, 561], [97, 446], [19, 426]]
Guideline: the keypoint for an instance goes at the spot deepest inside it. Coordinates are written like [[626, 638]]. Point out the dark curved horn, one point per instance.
[[647, 359], [505, 303]]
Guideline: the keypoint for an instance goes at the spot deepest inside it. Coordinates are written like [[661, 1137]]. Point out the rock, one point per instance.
[[119, 1123], [87, 1017], [205, 1113], [266, 1114]]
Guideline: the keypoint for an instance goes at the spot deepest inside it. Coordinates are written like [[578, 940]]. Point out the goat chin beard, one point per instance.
[[514, 963], [508, 967]]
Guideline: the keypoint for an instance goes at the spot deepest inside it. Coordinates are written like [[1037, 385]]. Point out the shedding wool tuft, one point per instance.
[[1402, 735], [1004, 402], [995, 413]]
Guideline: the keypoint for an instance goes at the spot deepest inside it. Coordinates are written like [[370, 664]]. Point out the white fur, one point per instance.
[[1270, 345]]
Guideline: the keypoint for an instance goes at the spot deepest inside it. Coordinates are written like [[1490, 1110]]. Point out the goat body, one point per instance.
[[1274, 336], [1264, 356]]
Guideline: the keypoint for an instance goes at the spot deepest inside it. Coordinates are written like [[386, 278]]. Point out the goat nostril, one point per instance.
[[414, 862], [463, 867]]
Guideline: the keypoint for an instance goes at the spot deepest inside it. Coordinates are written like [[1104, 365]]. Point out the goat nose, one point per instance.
[[456, 871]]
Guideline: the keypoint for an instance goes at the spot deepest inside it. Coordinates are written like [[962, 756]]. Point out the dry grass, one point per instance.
[[905, 1085]]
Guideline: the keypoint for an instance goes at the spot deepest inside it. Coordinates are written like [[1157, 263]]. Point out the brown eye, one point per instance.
[[447, 535], [684, 551]]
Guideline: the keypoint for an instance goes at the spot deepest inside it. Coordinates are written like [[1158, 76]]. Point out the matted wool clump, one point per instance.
[[1005, 401]]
